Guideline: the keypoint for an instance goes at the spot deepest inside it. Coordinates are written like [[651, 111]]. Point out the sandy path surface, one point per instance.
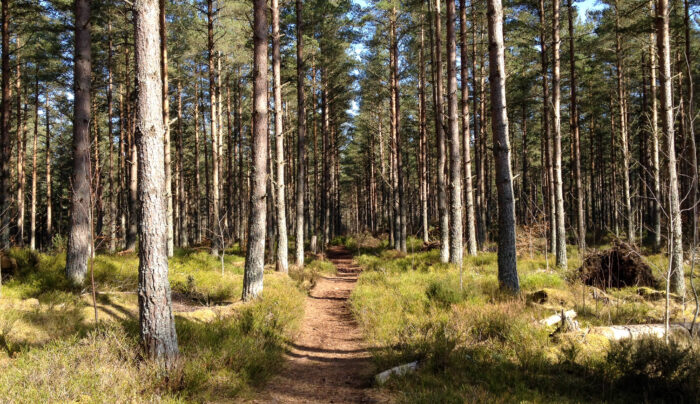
[[328, 362]]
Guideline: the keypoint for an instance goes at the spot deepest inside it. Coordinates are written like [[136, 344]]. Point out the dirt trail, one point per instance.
[[328, 362]]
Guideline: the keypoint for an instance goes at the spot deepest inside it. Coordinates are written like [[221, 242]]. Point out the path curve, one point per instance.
[[328, 362]]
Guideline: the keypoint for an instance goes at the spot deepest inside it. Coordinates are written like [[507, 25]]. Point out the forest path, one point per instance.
[[328, 362]]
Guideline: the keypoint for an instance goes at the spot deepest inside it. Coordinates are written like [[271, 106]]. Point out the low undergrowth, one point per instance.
[[52, 351], [476, 345]]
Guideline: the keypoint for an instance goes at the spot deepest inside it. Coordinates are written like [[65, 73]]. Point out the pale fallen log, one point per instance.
[[556, 318], [636, 331], [400, 370]]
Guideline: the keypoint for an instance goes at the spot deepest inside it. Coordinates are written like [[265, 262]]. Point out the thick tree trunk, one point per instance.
[[576, 138], [155, 312], [466, 136], [442, 154], [5, 145], [507, 268], [453, 128], [255, 253], [81, 209], [556, 102], [282, 244], [166, 123], [664, 47], [214, 221], [301, 140]]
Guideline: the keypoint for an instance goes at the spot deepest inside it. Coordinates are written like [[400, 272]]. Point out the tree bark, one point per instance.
[[155, 313], [623, 128], [110, 134], [442, 155], [453, 128], [507, 267], [664, 48], [214, 222], [576, 138], [255, 253], [561, 259], [163, 31], [301, 140], [5, 145], [197, 181], [549, 169], [49, 195], [400, 219], [132, 228], [654, 123], [423, 141], [282, 243], [466, 136], [32, 214], [81, 210], [21, 151]]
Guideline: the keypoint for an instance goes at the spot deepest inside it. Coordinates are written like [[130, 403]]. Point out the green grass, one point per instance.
[[52, 351], [477, 345]]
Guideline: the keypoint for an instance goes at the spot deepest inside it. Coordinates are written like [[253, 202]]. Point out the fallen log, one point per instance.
[[556, 318], [400, 370], [636, 331]]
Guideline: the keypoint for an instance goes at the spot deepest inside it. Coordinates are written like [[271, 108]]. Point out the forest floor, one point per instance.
[[329, 361]]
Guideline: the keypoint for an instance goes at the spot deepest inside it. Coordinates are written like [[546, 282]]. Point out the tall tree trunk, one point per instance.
[[423, 144], [507, 268], [96, 174], [182, 200], [549, 169], [453, 128], [576, 138], [214, 221], [197, 169], [623, 127], [255, 253], [466, 136], [155, 312], [32, 214], [561, 260], [664, 48], [132, 228], [110, 136], [301, 140], [282, 244], [163, 31], [442, 154], [49, 195], [478, 134], [81, 210], [5, 145], [21, 151], [400, 219]]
